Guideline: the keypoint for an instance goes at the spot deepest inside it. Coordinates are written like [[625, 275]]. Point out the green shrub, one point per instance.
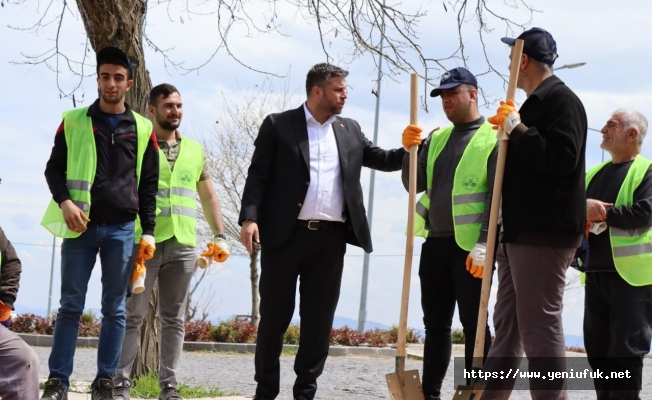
[[346, 336], [412, 336], [457, 336], [231, 331], [292, 335], [89, 324], [197, 331]]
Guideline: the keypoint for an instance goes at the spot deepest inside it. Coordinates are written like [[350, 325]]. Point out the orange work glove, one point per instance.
[[5, 314], [145, 252], [138, 270], [476, 270], [411, 136], [219, 250], [504, 110], [475, 260]]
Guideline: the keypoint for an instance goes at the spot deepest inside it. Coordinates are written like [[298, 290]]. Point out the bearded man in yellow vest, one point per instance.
[[103, 173], [183, 176], [456, 170], [618, 293]]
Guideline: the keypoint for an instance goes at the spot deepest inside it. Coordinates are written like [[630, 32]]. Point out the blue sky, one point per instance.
[[604, 34]]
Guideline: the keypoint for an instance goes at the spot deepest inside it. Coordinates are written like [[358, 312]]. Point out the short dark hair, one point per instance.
[[113, 56], [164, 89], [321, 74]]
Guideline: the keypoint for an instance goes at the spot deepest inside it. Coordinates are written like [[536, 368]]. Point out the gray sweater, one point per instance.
[[440, 216]]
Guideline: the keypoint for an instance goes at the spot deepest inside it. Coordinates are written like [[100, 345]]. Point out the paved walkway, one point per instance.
[[344, 377]]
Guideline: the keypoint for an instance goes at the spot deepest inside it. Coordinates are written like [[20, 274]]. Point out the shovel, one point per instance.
[[402, 384], [475, 390]]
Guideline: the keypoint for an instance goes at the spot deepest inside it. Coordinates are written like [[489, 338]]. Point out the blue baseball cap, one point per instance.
[[538, 45], [453, 78]]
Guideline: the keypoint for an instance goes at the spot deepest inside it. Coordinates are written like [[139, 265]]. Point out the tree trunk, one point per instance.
[[255, 298], [147, 358], [119, 23]]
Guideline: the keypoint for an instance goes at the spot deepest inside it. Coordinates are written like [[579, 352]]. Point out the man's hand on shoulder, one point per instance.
[[249, 234], [74, 216]]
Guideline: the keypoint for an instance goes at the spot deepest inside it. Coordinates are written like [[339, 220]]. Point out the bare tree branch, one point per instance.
[[356, 22]]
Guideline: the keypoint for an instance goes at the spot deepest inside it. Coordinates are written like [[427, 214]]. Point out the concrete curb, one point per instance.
[[414, 351], [87, 396]]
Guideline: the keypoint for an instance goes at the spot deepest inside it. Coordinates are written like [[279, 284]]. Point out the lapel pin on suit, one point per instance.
[[342, 125]]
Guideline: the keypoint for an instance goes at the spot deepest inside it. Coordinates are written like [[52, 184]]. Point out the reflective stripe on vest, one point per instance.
[[631, 248], [177, 194], [81, 165], [469, 185]]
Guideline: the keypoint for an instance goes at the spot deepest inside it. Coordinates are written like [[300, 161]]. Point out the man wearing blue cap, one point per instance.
[[102, 173], [456, 170], [544, 217]]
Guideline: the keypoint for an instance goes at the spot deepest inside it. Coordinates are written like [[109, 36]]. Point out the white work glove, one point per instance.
[[150, 240], [224, 246], [475, 260], [598, 227], [478, 252], [511, 121]]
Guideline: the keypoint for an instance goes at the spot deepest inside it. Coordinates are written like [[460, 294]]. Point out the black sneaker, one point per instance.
[[122, 390], [169, 392], [53, 390], [103, 390]]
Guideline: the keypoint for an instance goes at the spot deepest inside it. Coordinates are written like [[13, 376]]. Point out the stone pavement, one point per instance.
[[343, 378]]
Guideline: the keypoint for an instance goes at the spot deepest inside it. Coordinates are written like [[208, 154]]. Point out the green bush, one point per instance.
[[197, 331], [292, 335], [232, 331], [89, 324], [457, 336]]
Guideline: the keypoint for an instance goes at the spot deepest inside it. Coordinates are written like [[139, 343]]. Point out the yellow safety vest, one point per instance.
[[82, 163], [631, 248], [177, 195], [469, 185]]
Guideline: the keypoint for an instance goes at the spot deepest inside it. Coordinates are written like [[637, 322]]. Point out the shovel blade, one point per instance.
[[469, 392], [408, 389]]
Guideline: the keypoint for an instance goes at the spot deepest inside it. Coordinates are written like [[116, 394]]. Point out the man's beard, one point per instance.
[[168, 126]]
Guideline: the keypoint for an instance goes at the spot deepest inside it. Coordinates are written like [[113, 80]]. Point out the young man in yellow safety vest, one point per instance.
[[102, 173], [183, 176], [618, 294], [456, 170]]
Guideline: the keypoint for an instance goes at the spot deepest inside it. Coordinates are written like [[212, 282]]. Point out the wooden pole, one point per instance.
[[409, 244], [478, 351]]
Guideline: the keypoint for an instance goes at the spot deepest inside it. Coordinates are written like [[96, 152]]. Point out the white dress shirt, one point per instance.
[[325, 197]]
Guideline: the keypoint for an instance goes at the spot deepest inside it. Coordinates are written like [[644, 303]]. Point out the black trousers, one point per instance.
[[316, 257], [445, 281], [617, 332]]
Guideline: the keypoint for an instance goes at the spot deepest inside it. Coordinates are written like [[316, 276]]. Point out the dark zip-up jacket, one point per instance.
[[115, 195], [10, 270], [544, 201]]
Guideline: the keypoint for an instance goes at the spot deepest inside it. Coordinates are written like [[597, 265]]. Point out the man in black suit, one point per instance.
[[303, 203]]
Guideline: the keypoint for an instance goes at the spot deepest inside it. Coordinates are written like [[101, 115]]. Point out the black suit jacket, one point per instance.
[[279, 176]]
